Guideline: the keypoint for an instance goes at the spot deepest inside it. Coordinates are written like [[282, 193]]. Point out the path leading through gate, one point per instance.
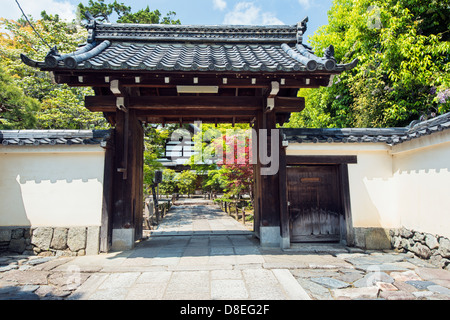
[[197, 217], [199, 253]]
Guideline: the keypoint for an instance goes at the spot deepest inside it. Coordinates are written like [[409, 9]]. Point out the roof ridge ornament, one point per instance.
[[301, 29], [92, 23]]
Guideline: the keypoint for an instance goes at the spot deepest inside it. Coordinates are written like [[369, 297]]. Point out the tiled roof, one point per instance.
[[193, 48], [390, 136], [52, 137]]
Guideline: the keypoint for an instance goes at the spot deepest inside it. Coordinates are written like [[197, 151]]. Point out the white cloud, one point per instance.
[[305, 3], [220, 4], [246, 13], [63, 8]]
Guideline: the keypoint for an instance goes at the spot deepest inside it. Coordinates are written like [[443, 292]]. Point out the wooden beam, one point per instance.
[[107, 103], [226, 104], [150, 119], [97, 79], [195, 113], [294, 160]]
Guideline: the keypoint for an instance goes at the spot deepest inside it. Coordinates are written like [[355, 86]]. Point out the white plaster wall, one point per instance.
[[407, 185], [372, 193], [51, 186], [422, 176]]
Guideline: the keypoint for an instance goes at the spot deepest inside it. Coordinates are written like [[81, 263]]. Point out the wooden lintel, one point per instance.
[[107, 103], [194, 113], [298, 160], [174, 120], [201, 103], [171, 81]]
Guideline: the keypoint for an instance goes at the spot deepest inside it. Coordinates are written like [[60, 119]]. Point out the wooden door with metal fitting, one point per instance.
[[315, 206]]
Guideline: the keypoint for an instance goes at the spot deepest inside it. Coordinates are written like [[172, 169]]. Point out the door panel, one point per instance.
[[315, 205]]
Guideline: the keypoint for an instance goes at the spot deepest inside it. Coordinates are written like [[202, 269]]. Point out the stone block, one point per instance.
[[421, 250], [405, 276], [270, 236], [42, 237], [360, 240], [17, 233], [421, 285], [93, 240], [397, 295], [444, 247], [122, 239], [433, 274], [431, 241], [17, 245], [330, 282], [372, 278], [418, 236], [384, 286], [59, 240], [5, 235], [439, 289], [377, 239], [405, 233], [76, 238], [356, 293]]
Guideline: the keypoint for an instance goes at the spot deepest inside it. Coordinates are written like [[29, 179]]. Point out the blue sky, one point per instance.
[[209, 12]]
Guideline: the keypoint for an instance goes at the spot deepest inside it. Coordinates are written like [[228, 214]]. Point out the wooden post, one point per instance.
[[243, 215], [108, 194], [127, 220], [284, 213]]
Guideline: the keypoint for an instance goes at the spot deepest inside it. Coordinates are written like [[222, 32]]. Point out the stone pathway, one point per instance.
[[194, 259], [198, 220], [376, 275]]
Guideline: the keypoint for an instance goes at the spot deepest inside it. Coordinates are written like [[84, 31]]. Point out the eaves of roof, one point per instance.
[[193, 48], [390, 136], [53, 137]]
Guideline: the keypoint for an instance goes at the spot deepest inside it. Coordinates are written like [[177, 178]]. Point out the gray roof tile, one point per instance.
[[52, 137], [390, 136], [192, 48]]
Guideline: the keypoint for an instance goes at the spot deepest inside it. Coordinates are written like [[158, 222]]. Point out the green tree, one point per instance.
[[168, 185], [403, 71], [103, 12], [17, 111], [186, 181], [154, 146], [61, 107]]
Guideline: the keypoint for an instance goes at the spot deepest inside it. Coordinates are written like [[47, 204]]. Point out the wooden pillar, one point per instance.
[[107, 205], [128, 178], [284, 213], [267, 186]]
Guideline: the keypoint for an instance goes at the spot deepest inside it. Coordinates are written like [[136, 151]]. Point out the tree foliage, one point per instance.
[[231, 170], [404, 64], [17, 111], [59, 106], [103, 12]]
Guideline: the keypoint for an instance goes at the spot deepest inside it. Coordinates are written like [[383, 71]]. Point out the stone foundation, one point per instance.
[[50, 241], [372, 238], [434, 248]]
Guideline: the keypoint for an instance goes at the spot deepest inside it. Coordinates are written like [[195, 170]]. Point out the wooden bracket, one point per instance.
[[115, 87], [120, 104], [275, 89], [124, 171]]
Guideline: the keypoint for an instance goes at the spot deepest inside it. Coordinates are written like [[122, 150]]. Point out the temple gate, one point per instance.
[[181, 74]]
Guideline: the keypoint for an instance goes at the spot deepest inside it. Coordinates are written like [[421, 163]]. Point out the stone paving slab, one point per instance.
[[223, 262]]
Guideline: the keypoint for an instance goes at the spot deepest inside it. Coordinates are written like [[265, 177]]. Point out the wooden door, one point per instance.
[[315, 210]]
